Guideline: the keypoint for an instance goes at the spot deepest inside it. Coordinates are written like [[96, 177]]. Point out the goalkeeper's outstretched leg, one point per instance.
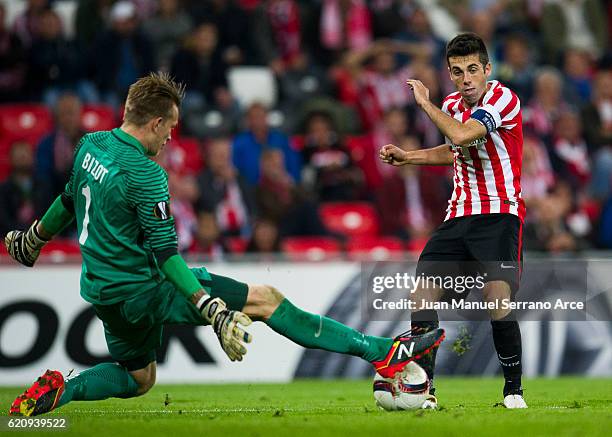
[[388, 355]]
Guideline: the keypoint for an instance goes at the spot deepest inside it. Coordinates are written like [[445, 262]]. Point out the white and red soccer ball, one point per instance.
[[407, 391]]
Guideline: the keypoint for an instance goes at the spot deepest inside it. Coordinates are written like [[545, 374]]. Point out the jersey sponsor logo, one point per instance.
[[478, 142], [162, 210]]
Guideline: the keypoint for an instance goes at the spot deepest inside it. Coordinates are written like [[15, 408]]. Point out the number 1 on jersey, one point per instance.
[[84, 234]]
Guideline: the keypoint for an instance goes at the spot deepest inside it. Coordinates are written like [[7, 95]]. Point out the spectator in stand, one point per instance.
[[56, 64], [569, 154], [597, 122], [383, 86], [393, 129], [248, 146], [549, 231], [13, 65], [328, 166], [546, 104], [208, 240], [417, 30], [411, 201], [200, 66], [54, 154], [283, 202], [277, 34], [573, 24], [183, 189], [341, 25], [224, 192], [233, 25], [577, 69], [426, 130], [517, 70], [128, 54], [28, 24], [17, 202], [597, 114], [388, 17], [265, 237], [91, 20], [537, 177], [166, 30]]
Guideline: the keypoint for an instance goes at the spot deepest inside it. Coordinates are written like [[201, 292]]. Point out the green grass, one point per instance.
[[558, 407]]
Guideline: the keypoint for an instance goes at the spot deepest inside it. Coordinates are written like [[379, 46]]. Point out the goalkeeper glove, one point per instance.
[[25, 247], [225, 323]]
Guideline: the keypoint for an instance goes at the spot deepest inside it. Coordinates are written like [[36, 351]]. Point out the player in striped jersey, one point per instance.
[[137, 282], [482, 232]]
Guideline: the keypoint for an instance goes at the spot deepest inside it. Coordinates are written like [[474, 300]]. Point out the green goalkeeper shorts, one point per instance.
[[133, 328]]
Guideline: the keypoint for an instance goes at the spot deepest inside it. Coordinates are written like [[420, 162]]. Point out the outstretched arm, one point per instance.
[[440, 155], [25, 246], [460, 134]]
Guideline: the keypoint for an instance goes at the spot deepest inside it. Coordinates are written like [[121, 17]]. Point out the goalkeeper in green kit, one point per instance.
[[137, 282]]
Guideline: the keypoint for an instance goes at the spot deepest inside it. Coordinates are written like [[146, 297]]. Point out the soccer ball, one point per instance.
[[407, 391]]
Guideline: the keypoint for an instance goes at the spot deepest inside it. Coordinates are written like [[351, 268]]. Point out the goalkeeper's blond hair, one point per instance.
[[152, 96]]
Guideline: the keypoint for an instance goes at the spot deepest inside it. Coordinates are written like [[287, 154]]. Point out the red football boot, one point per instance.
[[408, 347], [42, 397]]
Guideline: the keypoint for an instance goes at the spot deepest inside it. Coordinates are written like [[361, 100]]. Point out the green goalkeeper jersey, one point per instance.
[[121, 205]]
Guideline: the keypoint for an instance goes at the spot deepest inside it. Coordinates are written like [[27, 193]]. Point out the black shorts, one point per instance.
[[489, 245]]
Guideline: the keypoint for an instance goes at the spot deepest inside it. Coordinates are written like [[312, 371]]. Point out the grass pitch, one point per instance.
[[558, 407]]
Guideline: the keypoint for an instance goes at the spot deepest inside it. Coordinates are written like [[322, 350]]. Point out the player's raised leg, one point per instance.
[[388, 355]]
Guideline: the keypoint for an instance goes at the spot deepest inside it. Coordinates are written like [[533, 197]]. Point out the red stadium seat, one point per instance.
[[350, 218], [375, 248], [25, 121], [311, 248], [98, 117]]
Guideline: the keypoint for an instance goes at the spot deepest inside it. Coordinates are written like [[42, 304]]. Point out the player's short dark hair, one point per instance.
[[466, 44], [152, 96]]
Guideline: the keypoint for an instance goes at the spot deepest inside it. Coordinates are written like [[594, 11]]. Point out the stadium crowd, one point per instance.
[[254, 176]]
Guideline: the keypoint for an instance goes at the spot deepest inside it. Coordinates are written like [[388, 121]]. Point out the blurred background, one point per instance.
[[288, 102]]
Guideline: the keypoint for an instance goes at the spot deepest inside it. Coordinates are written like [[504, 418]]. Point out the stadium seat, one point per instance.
[[25, 121], [98, 117], [350, 218], [252, 84], [375, 248], [311, 248]]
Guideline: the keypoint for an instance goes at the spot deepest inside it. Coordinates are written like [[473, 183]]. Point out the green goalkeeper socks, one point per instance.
[[106, 380], [319, 332]]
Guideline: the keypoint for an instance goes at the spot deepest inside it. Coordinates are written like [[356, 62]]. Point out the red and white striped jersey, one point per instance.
[[487, 172]]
